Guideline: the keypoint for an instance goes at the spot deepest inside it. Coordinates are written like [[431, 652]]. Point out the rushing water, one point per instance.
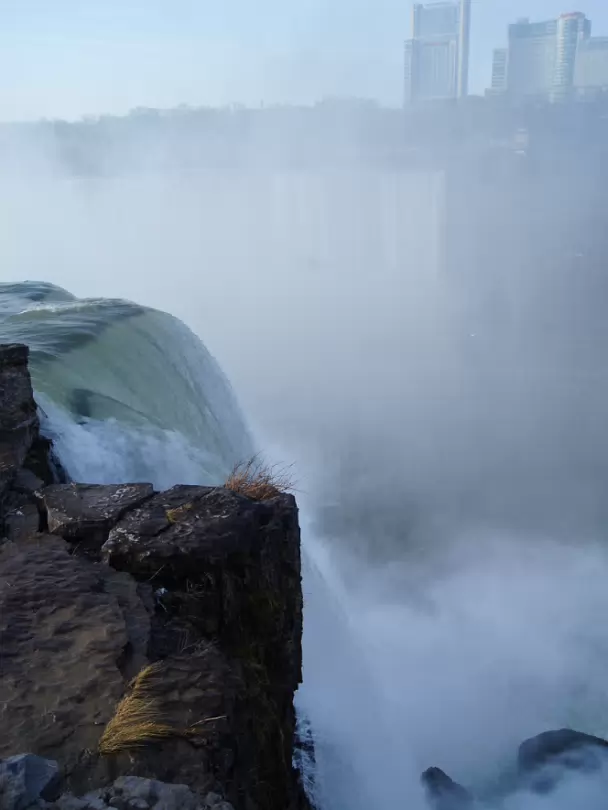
[[128, 392], [408, 663]]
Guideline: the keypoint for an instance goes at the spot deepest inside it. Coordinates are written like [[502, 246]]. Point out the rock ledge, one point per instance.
[[186, 605]]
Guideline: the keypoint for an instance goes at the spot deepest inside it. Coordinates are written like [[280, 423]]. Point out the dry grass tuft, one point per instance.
[[137, 719], [259, 481]]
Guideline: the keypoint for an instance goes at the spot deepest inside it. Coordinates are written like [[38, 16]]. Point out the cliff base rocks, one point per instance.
[[542, 763], [28, 782]]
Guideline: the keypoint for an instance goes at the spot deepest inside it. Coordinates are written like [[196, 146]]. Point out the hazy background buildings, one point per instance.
[[556, 59], [437, 55]]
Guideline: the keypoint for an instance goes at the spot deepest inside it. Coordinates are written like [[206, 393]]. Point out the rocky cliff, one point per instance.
[[146, 639]]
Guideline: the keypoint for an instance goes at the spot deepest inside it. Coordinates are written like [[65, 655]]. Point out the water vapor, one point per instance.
[[435, 371]]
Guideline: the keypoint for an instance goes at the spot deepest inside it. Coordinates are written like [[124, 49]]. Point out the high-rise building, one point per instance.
[[500, 67], [591, 70], [532, 49], [464, 43], [541, 58], [572, 30], [437, 55]]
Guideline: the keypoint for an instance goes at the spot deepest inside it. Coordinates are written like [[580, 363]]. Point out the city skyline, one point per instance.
[[74, 59], [558, 58]]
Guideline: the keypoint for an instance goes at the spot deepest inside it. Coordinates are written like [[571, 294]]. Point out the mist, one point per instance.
[[423, 339]]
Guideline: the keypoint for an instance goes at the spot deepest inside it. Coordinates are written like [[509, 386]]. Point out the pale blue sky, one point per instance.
[[65, 58]]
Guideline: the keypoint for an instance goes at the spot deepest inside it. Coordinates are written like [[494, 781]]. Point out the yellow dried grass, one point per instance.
[[259, 481], [137, 720]]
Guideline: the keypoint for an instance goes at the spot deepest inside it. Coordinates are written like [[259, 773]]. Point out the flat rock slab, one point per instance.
[[61, 641], [184, 530], [85, 513]]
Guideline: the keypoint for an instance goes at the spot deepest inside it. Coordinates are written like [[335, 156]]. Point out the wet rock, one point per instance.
[[27, 483], [196, 694], [83, 514], [184, 530], [23, 509], [154, 793], [96, 800], [63, 640], [19, 425], [130, 598], [24, 779], [200, 582], [226, 568], [43, 462], [137, 804], [68, 802], [21, 521], [228, 564], [537, 751], [543, 760], [137, 793], [445, 794]]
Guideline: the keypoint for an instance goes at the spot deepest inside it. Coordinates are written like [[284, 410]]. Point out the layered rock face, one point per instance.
[[143, 634], [19, 425]]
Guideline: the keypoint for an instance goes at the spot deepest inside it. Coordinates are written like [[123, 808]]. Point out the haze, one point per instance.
[[68, 58], [413, 315]]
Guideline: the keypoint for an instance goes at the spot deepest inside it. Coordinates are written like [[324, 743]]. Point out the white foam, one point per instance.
[[506, 643], [104, 452]]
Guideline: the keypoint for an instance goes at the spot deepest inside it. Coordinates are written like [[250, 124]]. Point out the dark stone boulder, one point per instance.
[[63, 641], [83, 514], [175, 660], [187, 528], [197, 694], [28, 483], [22, 519], [19, 424], [443, 793], [226, 568], [26, 778], [28, 782], [24, 513], [202, 583], [228, 565], [44, 463], [134, 793], [543, 760]]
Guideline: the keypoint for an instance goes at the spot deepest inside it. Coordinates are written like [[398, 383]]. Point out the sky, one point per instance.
[[69, 58]]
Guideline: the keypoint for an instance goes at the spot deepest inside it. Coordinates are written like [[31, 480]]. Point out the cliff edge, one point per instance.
[[150, 643]]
